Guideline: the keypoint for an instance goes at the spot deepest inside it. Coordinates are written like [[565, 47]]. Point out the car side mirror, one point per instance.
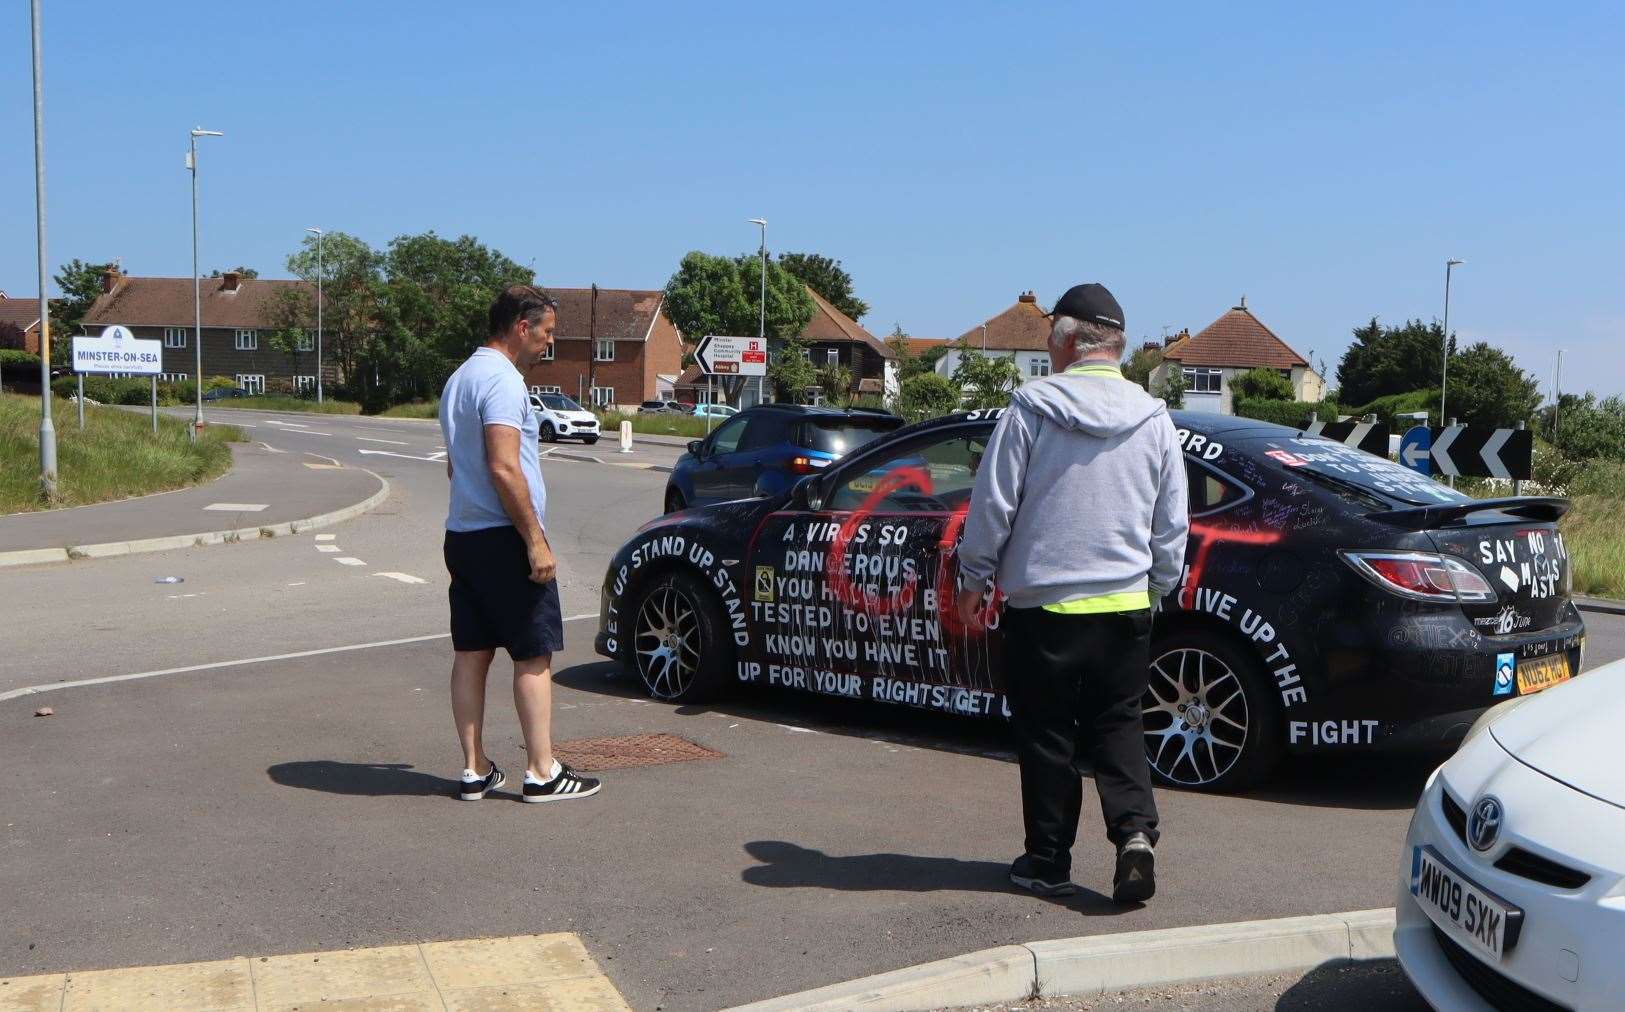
[[808, 493], [696, 447]]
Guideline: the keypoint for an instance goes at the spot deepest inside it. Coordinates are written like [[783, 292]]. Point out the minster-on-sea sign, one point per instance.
[[118, 351]]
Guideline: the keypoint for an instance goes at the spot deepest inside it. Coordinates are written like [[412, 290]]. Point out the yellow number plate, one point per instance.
[[1542, 674]]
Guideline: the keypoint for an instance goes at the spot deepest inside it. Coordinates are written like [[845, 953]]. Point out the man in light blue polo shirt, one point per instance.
[[503, 592]]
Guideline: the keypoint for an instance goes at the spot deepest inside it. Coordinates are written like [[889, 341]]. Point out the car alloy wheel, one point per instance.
[[1196, 717], [667, 642], [549, 434]]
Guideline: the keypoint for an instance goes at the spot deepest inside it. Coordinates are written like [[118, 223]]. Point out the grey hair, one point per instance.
[[1087, 337]]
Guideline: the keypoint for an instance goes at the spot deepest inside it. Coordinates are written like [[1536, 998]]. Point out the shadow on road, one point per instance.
[[1339, 983], [364, 779], [792, 866]]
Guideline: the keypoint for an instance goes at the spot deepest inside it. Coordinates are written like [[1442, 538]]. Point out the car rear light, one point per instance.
[[807, 465], [1423, 576]]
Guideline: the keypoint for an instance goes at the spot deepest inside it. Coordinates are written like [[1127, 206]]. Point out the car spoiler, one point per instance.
[[1544, 509]]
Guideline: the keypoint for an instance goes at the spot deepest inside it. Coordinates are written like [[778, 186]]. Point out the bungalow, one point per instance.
[[1235, 343], [612, 347], [1019, 333]]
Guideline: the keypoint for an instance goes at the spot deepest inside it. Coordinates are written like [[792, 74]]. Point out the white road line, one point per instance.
[[437, 458], [330, 460], [273, 449], [278, 421], [391, 442], [305, 432], [329, 548], [236, 507], [349, 560], [324, 537], [29, 690], [403, 577], [298, 583]]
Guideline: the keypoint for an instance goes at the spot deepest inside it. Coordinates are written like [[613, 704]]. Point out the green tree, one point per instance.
[[352, 281], [81, 284], [1172, 387], [721, 295], [1390, 360], [902, 354], [1263, 385], [293, 317], [1141, 363], [826, 277], [1487, 388], [247, 272], [988, 381], [1585, 428], [791, 372], [927, 395], [836, 383], [926, 361]]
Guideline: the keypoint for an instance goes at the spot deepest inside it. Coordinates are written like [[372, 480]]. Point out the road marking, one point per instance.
[[298, 583], [278, 421], [331, 461], [236, 507], [324, 537], [438, 455], [329, 548], [29, 690], [403, 577], [405, 456], [349, 560], [273, 449], [391, 442]]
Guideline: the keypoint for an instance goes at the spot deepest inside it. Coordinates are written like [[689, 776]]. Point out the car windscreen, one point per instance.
[[559, 402], [1340, 467], [841, 436]]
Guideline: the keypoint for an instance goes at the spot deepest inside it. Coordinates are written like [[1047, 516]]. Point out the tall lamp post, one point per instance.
[[197, 292], [761, 328], [47, 429], [318, 234], [1444, 371]]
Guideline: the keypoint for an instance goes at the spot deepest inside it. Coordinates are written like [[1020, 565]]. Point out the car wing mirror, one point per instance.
[[808, 493], [696, 447]]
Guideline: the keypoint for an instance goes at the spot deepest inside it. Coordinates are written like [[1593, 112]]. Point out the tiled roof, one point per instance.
[[1236, 340], [1022, 327], [830, 324], [918, 346], [23, 312], [167, 302], [624, 314]]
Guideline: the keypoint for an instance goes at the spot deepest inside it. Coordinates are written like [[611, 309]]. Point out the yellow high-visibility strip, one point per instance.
[[1096, 369], [1128, 600]]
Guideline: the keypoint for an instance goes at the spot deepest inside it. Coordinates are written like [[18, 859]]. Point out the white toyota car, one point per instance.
[[563, 418], [1512, 890]]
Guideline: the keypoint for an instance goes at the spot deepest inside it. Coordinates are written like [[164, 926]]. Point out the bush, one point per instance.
[[927, 395], [1262, 385], [11, 357], [415, 409], [1293, 414], [1387, 408]]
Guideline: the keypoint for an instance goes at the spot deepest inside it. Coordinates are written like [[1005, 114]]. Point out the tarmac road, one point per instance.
[[301, 803]]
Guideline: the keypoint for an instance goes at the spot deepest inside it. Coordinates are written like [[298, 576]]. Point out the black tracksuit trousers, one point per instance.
[[1074, 684]]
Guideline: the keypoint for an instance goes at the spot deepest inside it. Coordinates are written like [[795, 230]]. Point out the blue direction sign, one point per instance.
[[1416, 449]]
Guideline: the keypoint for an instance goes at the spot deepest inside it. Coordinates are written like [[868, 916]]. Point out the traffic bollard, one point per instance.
[[626, 437]]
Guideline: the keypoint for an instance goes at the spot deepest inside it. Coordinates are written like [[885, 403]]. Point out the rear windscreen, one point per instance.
[[841, 436], [1336, 464]]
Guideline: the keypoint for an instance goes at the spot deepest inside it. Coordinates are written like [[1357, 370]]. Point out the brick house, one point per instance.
[[1235, 343], [239, 315], [619, 353], [24, 315], [1019, 333]]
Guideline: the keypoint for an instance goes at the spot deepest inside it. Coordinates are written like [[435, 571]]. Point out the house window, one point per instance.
[[603, 351], [546, 390], [174, 337], [303, 383], [253, 382], [305, 342], [1038, 367], [1202, 381], [248, 340], [547, 354], [832, 356], [603, 397], [173, 377], [806, 353]]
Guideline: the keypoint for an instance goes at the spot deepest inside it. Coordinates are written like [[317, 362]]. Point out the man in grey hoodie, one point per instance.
[[1079, 518]]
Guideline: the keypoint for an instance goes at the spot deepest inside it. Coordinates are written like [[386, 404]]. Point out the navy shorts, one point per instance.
[[493, 601]]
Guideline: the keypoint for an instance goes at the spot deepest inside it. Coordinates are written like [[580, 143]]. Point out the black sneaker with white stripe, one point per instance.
[[474, 787], [567, 785]]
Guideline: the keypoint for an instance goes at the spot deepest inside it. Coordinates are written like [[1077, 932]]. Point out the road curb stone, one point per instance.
[[1101, 964]]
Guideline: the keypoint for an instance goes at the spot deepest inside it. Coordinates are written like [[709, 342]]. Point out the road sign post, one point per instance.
[[117, 351]]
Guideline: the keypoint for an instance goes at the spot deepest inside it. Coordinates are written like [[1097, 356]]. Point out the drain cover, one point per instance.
[[594, 754]]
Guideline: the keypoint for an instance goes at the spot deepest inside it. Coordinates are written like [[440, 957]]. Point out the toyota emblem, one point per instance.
[[1484, 824]]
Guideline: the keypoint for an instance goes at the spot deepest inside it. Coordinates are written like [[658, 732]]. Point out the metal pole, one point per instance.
[[1517, 483], [318, 317], [1557, 391], [47, 430], [1444, 371], [1451, 479], [197, 304], [81, 402], [761, 327], [155, 405]]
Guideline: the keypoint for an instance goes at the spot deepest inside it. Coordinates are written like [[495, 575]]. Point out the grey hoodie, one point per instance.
[[1081, 493]]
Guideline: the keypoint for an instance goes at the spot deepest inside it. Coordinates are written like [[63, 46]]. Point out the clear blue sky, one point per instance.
[[1324, 163]]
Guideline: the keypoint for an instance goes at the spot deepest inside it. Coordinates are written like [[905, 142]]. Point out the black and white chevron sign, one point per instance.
[[1372, 437], [1472, 451]]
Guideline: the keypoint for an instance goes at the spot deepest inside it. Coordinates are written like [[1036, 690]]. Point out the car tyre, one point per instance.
[[589, 440], [681, 645], [549, 434], [674, 501], [1212, 717]]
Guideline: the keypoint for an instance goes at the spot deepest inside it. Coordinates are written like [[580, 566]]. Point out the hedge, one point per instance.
[[13, 357], [134, 390], [1293, 414]]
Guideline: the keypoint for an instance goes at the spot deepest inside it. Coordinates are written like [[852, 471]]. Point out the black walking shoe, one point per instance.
[[1136, 878], [1025, 875], [567, 785], [474, 787]]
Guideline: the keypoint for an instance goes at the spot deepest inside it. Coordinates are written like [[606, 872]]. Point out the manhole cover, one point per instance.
[[594, 754]]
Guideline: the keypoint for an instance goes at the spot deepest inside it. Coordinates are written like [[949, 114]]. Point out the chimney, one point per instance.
[[110, 277], [229, 281], [1027, 297]]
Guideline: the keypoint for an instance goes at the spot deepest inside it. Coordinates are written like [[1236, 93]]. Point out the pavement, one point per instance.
[[275, 779]]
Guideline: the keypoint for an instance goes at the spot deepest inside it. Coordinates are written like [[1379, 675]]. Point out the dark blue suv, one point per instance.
[[766, 449]]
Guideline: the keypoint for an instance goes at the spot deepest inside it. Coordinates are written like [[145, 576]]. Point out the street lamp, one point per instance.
[[1444, 371], [197, 294], [318, 234], [761, 329], [47, 429]]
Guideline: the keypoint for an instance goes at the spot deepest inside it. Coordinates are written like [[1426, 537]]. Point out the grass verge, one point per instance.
[[1594, 532], [659, 425], [416, 409], [115, 457], [272, 402]]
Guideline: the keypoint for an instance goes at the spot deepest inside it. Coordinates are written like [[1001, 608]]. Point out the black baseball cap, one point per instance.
[[1090, 302]]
